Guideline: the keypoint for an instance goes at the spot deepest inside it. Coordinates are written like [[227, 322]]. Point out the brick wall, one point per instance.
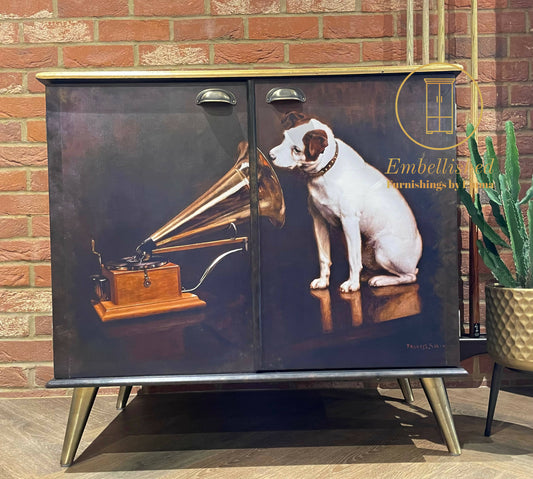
[[39, 35]]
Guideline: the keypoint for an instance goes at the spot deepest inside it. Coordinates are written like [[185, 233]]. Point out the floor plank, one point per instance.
[[268, 434]]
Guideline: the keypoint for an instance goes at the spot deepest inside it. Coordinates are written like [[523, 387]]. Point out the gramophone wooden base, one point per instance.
[[108, 311]]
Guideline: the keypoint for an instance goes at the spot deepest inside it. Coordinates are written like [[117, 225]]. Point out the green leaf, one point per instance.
[[530, 221], [517, 232], [496, 212], [512, 166], [493, 195], [496, 266], [493, 165], [477, 216], [475, 159], [528, 195]]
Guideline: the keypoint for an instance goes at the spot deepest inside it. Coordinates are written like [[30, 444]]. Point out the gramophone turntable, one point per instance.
[[148, 283]]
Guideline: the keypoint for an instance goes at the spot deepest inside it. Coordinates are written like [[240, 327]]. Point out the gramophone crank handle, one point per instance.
[[96, 252]]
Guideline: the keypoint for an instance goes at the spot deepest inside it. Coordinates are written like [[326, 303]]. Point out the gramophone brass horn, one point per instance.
[[227, 202]]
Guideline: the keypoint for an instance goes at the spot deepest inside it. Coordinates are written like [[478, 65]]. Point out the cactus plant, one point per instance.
[[502, 192]]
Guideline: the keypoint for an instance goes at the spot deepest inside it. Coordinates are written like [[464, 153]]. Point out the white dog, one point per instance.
[[345, 191]]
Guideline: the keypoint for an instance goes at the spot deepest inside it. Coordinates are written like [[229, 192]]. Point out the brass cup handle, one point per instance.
[[216, 95], [284, 93]]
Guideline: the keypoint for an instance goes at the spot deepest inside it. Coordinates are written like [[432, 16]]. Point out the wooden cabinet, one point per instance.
[[141, 162]]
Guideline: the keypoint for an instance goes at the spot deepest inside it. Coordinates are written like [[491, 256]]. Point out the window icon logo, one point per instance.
[[439, 109]]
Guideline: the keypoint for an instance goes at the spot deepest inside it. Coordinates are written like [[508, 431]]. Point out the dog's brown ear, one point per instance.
[[315, 142], [292, 119]]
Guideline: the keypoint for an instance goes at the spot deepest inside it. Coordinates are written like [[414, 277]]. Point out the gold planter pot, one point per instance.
[[510, 326]]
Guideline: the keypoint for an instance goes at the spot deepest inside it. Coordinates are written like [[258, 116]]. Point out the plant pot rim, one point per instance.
[[499, 286]]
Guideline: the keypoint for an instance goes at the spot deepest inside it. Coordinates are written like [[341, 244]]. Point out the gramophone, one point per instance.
[[147, 283]]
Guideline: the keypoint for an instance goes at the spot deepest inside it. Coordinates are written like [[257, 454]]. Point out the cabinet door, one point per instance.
[[399, 325], [124, 159]]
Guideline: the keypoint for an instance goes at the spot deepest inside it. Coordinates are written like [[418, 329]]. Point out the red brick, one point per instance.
[[526, 168], [98, 56], [522, 95], [43, 374], [384, 51], [12, 180], [94, 8], [36, 130], [73, 31], [208, 29], [25, 301], [358, 26], [495, 120], [299, 6], [244, 7], [501, 22], [14, 276], [22, 106], [40, 226], [248, 53], [22, 9], [133, 30], [525, 144], [166, 8], [24, 204], [489, 4], [8, 32], [325, 53], [25, 250], [34, 85], [13, 227], [10, 83], [514, 71], [28, 57], [39, 180], [282, 27], [454, 22], [174, 54], [22, 156], [11, 131], [22, 351], [35, 393], [43, 276], [521, 46], [386, 5], [521, 4], [493, 96], [43, 325], [13, 377], [488, 47]]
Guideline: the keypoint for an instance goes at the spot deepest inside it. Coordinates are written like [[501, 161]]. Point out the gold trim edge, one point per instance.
[[234, 73]]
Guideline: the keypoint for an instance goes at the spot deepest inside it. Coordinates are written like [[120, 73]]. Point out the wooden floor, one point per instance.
[[283, 434]]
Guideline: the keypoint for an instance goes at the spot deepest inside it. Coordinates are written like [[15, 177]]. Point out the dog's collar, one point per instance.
[[330, 164]]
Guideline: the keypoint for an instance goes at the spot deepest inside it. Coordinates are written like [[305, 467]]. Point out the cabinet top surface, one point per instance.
[[48, 77]]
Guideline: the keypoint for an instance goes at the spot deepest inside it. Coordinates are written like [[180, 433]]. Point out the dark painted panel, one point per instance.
[[412, 325], [124, 159]]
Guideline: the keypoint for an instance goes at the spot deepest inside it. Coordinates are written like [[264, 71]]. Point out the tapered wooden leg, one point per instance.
[[123, 395], [80, 407], [440, 405], [494, 390], [407, 391]]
